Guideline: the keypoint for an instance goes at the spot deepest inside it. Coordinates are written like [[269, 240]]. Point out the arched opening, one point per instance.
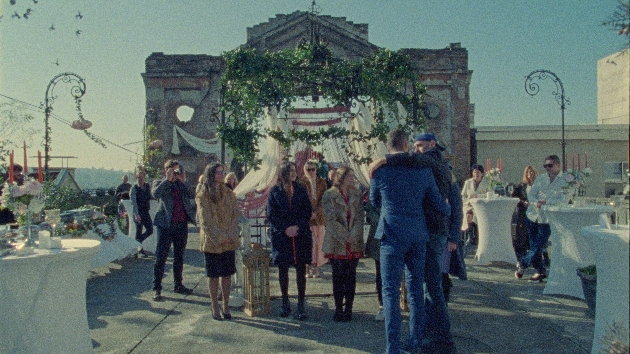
[[184, 113]]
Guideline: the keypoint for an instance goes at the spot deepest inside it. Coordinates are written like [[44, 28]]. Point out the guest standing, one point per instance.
[[315, 187], [343, 243], [520, 239], [171, 221], [474, 187], [218, 214], [231, 181], [546, 190], [289, 212], [140, 196], [398, 192], [122, 191]]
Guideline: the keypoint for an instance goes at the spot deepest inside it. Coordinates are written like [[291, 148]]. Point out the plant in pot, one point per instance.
[[588, 276]]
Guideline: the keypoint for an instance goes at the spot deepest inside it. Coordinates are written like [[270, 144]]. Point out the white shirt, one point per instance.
[[543, 188]]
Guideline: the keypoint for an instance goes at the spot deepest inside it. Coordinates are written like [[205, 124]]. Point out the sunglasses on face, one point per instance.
[[548, 165], [310, 169]]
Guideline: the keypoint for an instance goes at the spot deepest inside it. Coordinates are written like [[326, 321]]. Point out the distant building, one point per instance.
[[613, 88], [606, 146]]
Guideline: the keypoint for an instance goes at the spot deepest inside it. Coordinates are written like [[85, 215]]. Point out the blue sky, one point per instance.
[[506, 40]]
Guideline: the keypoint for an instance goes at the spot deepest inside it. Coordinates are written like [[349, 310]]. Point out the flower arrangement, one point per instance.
[[577, 178], [76, 229], [24, 199], [493, 177]]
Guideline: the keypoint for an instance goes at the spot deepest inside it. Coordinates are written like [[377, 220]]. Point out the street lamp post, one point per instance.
[[532, 89], [77, 90]]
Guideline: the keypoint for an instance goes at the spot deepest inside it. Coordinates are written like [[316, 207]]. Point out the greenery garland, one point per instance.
[[254, 81]]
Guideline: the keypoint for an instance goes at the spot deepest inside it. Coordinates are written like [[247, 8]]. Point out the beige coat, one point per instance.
[[338, 230], [316, 199], [218, 222]]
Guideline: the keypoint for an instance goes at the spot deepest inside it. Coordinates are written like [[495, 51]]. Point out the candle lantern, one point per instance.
[[256, 298], [236, 293]]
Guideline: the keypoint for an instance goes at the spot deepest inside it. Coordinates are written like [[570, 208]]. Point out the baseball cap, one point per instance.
[[429, 137]]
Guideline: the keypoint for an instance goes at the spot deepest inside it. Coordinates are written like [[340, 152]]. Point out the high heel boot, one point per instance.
[[286, 307]]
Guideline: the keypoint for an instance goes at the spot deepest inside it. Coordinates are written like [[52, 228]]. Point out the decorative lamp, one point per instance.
[[81, 124], [256, 296]]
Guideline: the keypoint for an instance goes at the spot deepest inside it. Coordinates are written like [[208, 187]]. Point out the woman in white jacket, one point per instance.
[[474, 187]]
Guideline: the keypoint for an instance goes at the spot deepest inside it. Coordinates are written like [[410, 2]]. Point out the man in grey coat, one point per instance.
[[171, 221]]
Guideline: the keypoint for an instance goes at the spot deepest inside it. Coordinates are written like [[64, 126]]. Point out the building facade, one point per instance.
[[613, 88], [175, 81]]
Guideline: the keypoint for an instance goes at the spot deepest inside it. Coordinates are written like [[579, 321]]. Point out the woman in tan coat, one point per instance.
[[315, 187], [343, 243], [218, 213]]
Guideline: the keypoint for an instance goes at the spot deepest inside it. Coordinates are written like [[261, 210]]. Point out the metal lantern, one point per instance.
[[236, 293], [256, 296]]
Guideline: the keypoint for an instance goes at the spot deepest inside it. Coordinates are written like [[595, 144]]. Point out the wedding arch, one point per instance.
[[304, 97]]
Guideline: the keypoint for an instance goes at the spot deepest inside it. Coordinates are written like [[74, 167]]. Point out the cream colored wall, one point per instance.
[[613, 88], [522, 146]]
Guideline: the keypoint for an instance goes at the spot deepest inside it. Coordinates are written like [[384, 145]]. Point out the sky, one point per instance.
[[506, 40]]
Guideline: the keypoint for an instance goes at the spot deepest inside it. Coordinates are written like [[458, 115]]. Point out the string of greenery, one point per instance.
[[254, 81]]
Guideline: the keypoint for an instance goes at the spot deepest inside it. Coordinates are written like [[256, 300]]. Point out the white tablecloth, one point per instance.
[[494, 219], [118, 248], [610, 248], [42, 300], [150, 244], [569, 250]]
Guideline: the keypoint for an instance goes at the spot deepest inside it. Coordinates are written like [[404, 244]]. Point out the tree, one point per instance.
[[619, 21]]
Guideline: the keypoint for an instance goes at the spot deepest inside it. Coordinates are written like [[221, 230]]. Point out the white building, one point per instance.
[[613, 88]]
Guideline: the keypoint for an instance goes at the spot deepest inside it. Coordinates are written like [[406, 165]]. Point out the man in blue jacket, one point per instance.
[[399, 193], [171, 221]]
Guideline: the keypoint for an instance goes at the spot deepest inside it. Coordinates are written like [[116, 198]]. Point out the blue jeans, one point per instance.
[[438, 321], [538, 237], [406, 252], [176, 234]]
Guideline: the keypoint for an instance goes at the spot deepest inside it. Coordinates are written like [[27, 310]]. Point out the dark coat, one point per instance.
[[457, 266], [162, 191], [520, 239], [280, 216]]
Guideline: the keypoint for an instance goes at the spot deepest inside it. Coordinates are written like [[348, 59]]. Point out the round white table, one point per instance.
[[150, 244], [494, 219], [610, 247], [569, 250], [42, 300]]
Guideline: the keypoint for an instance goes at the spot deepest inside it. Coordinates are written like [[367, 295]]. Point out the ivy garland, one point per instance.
[[254, 81]]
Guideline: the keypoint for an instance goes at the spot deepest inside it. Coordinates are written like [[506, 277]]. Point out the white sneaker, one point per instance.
[[380, 315]]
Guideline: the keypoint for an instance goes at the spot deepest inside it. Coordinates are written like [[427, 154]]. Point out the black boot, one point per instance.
[[286, 307], [347, 314], [301, 312], [446, 286]]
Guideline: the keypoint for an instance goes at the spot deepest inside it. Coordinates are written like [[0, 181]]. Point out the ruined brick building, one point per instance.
[[173, 81]]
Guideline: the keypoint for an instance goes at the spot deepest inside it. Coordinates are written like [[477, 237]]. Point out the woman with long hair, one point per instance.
[[289, 212], [474, 187], [520, 239], [343, 243], [315, 187], [218, 214]]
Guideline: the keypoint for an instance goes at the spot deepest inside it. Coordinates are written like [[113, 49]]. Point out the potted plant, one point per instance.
[[588, 276]]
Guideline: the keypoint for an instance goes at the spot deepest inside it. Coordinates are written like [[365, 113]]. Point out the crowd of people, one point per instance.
[[420, 225]]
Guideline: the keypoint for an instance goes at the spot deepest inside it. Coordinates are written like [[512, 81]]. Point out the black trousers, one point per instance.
[[344, 275]]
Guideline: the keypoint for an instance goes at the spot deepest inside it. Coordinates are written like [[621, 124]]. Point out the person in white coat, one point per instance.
[[474, 187]]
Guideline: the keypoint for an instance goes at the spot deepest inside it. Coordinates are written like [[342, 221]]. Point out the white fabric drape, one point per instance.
[[209, 146]]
